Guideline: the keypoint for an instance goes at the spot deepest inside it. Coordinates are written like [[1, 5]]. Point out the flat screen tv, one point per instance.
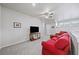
[[34, 29]]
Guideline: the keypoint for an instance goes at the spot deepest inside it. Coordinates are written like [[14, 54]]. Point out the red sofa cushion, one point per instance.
[[61, 44], [64, 37], [51, 42], [62, 32], [65, 34], [54, 38]]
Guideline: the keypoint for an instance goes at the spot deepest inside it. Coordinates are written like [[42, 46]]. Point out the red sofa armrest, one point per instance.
[[53, 49]]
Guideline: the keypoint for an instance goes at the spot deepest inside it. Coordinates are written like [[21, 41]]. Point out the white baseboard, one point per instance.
[[13, 43]]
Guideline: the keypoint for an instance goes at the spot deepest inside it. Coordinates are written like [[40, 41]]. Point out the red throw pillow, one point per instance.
[[54, 38], [65, 34], [64, 37], [62, 32], [61, 44], [51, 36], [57, 34]]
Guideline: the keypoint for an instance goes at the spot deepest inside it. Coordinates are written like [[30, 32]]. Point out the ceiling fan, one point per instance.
[[47, 15]]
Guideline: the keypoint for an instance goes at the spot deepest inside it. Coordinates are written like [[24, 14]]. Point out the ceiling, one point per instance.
[[31, 10], [36, 10]]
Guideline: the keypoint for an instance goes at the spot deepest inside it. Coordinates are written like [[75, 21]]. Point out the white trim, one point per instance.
[[13, 43]]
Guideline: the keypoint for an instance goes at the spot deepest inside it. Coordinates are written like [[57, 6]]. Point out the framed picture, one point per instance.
[[16, 25]]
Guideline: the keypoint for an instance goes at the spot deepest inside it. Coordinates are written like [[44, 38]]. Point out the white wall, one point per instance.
[[68, 12], [0, 26], [15, 35]]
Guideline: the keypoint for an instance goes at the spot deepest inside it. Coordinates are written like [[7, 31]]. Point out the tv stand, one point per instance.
[[34, 36]]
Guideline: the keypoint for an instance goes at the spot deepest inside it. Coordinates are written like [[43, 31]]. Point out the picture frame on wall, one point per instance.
[[16, 24]]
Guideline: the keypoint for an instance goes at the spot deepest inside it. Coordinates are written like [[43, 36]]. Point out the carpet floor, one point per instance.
[[24, 48]]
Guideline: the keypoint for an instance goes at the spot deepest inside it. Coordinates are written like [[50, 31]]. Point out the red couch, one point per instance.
[[58, 44]]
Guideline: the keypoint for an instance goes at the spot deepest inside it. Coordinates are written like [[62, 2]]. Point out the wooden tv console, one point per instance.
[[34, 36]]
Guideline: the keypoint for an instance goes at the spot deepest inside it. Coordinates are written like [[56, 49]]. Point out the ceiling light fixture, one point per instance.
[[33, 4]]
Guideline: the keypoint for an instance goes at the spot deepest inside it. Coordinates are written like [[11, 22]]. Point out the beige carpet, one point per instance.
[[24, 48]]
